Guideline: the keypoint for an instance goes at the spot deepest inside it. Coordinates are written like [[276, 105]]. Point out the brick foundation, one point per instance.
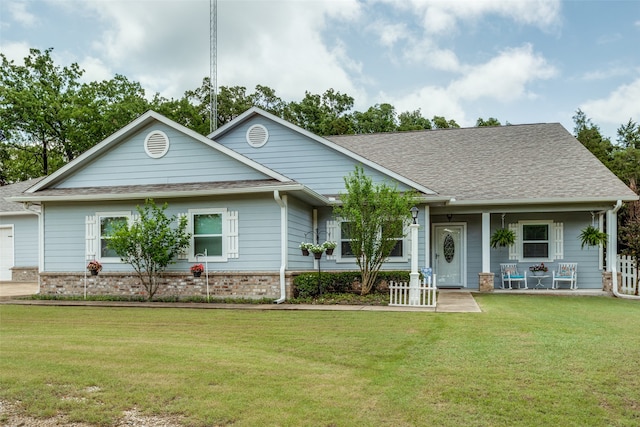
[[24, 274], [485, 282], [607, 281], [221, 285]]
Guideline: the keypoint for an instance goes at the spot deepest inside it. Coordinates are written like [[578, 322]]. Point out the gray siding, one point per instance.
[[25, 239], [589, 275], [187, 160], [298, 157], [258, 233]]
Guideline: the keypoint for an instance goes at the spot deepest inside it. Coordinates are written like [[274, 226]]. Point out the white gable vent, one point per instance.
[[156, 144], [257, 136]]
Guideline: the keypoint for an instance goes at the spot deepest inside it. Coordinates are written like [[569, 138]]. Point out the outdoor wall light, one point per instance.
[[414, 214]]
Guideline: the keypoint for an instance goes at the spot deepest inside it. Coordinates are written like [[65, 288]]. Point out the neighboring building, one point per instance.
[[259, 186], [18, 235]]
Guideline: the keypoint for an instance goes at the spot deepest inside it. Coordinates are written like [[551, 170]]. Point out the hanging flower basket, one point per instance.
[[197, 269], [329, 247], [304, 247], [94, 267], [502, 237], [317, 251]]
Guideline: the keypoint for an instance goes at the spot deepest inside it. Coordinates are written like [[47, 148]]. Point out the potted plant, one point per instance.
[[538, 269], [197, 269], [503, 237], [329, 247], [94, 267], [317, 251], [304, 247], [591, 236]]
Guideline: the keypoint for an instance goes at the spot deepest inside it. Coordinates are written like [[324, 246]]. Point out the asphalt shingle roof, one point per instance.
[[537, 161], [14, 190]]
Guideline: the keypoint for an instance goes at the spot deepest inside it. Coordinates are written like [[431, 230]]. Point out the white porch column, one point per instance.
[[414, 276], [427, 236], [486, 242]]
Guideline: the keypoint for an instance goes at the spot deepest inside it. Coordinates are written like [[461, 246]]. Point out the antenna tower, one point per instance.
[[213, 65]]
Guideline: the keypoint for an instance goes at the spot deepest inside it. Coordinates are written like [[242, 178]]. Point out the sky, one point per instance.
[[519, 61]]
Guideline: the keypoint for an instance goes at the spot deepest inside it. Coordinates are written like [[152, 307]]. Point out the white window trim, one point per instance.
[[225, 250], [337, 254], [550, 241], [98, 234]]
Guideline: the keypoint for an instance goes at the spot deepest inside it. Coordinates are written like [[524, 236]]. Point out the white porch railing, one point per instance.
[[401, 294], [627, 268]]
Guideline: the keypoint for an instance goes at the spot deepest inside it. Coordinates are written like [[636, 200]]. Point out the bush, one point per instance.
[[306, 284]]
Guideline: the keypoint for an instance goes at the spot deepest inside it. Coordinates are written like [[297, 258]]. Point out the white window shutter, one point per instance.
[[184, 253], [514, 250], [558, 237], [91, 235], [332, 235], [232, 234]]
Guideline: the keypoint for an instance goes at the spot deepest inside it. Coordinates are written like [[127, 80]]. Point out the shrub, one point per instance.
[[306, 284]]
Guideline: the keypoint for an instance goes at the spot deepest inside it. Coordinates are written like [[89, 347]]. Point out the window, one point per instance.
[[107, 223], [346, 254], [537, 241], [207, 234], [213, 232]]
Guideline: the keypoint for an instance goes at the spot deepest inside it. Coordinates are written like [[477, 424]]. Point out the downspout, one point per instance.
[[282, 202], [29, 207], [612, 221]]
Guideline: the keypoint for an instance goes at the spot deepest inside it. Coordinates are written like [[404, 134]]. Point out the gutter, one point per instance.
[[611, 214], [282, 202]]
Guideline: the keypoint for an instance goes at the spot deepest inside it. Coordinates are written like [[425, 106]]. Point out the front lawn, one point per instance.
[[526, 360]]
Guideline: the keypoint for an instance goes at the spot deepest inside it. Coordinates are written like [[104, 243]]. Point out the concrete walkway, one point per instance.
[[449, 301]]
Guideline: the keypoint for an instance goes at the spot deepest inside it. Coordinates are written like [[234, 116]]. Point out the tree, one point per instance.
[[149, 243], [491, 121], [377, 119], [49, 117], [629, 233], [589, 135], [412, 120], [374, 217], [439, 122], [326, 114]]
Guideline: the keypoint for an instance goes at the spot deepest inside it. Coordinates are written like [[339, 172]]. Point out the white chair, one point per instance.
[[566, 272], [509, 273]]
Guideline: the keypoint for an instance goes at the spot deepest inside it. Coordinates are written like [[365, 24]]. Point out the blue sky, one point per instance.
[[519, 61]]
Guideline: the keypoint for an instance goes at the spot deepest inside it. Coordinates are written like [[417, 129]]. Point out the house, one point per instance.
[[18, 235], [258, 186]]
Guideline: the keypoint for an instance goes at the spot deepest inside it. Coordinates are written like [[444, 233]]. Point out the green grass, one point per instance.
[[526, 360]]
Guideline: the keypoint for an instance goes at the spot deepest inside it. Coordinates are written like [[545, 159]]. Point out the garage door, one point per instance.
[[6, 252]]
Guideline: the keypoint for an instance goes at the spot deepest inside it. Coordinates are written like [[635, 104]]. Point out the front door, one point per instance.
[[6, 252], [449, 252]]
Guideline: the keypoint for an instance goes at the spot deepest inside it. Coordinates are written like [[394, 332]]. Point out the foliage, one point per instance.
[[49, 117], [197, 268], [329, 245], [345, 282], [502, 237], [491, 121], [150, 244], [539, 267], [316, 249], [94, 266], [591, 236], [374, 216]]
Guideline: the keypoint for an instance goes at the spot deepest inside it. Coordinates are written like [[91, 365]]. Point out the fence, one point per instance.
[[627, 268], [401, 294]]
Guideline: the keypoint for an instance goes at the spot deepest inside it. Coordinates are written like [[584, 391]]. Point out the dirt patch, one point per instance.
[[11, 415]]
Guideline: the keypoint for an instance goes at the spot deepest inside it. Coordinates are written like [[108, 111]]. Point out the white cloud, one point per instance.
[[618, 107], [19, 13], [15, 51], [443, 17], [505, 77]]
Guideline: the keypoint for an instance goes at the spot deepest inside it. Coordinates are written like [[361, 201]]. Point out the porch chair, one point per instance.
[[566, 272], [509, 273]]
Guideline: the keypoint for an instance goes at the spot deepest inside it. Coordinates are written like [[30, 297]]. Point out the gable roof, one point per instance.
[[357, 157], [8, 207], [130, 129], [537, 163]]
